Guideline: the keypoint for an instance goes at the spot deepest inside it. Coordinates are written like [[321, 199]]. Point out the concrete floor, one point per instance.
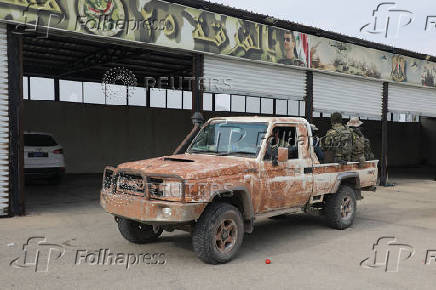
[[305, 254]]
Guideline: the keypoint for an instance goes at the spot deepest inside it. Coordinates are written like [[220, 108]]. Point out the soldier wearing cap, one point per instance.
[[338, 141], [361, 145]]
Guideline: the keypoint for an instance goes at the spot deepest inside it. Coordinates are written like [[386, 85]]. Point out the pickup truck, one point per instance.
[[235, 170]]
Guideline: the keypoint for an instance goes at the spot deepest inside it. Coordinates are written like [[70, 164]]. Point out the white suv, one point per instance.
[[43, 157]]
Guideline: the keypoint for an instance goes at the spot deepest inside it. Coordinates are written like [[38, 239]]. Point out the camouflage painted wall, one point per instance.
[[176, 26]]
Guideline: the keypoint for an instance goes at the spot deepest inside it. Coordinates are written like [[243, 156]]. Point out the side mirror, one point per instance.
[[280, 154], [283, 155]]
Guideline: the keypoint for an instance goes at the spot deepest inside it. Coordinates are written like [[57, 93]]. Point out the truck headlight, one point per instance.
[[172, 189], [169, 189], [161, 188]]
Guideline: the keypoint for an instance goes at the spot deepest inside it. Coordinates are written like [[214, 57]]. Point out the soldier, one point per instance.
[[358, 154], [355, 124], [338, 141], [368, 152]]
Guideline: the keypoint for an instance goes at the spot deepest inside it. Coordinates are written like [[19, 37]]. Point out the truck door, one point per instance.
[[289, 184]]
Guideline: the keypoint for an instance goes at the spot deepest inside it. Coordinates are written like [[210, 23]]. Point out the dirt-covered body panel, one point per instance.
[[142, 190]]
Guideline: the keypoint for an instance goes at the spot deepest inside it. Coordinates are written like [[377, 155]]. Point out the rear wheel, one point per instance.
[[340, 208], [218, 233], [138, 233]]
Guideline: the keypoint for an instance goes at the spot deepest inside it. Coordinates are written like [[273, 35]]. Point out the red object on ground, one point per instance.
[[267, 261]]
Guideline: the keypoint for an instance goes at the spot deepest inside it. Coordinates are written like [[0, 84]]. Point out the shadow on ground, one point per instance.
[[74, 191]]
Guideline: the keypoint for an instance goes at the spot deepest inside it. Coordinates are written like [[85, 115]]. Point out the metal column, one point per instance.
[[384, 154], [309, 97], [197, 88], [16, 146]]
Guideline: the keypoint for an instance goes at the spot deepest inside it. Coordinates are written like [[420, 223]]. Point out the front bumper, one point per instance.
[[150, 211]]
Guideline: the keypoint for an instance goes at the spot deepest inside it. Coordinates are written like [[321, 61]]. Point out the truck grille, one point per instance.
[[108, 179], [130, 184]]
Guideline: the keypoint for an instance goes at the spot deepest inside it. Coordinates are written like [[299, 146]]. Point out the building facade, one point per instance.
[[259, 60]]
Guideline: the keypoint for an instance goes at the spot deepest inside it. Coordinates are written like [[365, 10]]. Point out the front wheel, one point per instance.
[[138, 233], [340, 208], [218, 233]]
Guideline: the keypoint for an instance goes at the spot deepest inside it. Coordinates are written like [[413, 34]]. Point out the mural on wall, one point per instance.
[[47, 5], [428, 77], [399, 73], [413, 71], [199, 30], [175, 26], [348, 58], [111, 11], [169, 25]]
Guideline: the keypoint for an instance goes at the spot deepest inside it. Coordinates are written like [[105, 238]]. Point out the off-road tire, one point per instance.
[[136, 232], [204, 238], [344, 201]]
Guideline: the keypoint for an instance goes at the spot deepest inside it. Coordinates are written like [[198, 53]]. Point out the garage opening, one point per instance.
[[252, 88], [87, 105], [410, 124], [413, 109]]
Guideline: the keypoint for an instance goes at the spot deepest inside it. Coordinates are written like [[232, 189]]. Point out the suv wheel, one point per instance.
[[218, 233], [340, 208], [138, 233]]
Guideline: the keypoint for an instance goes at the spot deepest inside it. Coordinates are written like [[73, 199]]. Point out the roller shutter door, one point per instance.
[[350, 96], [406, 99], [253, 79], [4, 123]]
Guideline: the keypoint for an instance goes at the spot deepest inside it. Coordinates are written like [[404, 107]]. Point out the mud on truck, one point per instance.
[[230, 175]]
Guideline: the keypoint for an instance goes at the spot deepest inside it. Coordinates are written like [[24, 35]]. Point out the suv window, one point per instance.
[[283, 137], [39, 140]]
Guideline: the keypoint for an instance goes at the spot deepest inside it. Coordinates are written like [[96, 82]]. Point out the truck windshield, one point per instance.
[[230, 138]]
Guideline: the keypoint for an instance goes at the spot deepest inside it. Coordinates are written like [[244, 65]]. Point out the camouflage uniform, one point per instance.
[[358, 154], [361, 145], [338, 141], [368, 153]]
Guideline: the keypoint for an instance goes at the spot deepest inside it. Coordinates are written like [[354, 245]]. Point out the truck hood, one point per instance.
[[195, 166]]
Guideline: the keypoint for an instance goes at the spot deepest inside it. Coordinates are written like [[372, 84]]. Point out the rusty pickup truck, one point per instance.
[[235, 170]]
